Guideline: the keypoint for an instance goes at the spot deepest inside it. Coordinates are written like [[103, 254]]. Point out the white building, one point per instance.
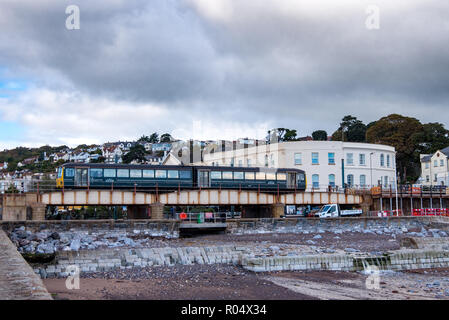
[[365, 165], [112, 154], [435, 168]]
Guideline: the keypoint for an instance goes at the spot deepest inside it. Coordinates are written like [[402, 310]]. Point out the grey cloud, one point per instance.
[[292, 69]]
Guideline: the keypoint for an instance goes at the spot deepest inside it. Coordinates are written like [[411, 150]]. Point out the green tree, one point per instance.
[[319, 135], [154, 138], [399, 132], [166, 137], [351, 130], [144, 139], [136, 152], [282, 134], [433, 137]]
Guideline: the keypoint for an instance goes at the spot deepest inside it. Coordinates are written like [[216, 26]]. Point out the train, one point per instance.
[[169, 177]]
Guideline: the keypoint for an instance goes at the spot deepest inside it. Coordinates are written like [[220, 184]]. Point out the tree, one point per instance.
[[154, 138], [166, 137], [319, 135], [136, 152], [144, 139], [282, 134], [399, 132], [433, 137], [351, 130]]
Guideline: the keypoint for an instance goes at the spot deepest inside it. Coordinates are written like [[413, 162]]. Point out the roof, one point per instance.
[[446, 151], [427, 158]]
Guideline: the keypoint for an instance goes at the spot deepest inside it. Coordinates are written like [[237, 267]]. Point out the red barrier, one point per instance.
[[431, 212]]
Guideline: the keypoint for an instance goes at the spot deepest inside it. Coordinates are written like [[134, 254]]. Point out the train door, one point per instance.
[[204, 178], [291, 180], [81, 177]]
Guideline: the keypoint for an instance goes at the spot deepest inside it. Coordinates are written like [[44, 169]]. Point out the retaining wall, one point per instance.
[[397, 260], [17, 279]]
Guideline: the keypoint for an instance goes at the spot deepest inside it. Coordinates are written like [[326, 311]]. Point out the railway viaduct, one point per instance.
[[31, 206]]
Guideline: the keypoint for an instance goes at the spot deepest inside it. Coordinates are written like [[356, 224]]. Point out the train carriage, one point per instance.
[[98, 176]]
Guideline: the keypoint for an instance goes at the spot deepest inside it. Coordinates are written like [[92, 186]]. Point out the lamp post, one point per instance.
[[371, 167], [396, 180]]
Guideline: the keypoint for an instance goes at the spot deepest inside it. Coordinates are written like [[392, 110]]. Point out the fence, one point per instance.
[[431, 212], [386, 213], [202, 217], [410, 190]]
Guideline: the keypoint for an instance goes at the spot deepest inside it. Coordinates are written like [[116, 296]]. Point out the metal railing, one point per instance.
[[202, 217]]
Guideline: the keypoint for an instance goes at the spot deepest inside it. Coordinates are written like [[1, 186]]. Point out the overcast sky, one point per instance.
[[215, 69]]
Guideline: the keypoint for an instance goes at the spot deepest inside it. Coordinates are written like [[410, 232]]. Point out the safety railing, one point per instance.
[[385, 213], [202, 217], [431, 212]]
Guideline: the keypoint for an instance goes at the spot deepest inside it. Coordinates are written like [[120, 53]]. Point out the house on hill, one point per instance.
[[435, 168]]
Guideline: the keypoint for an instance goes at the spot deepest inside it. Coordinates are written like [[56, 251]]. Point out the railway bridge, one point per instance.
[[154, 202]]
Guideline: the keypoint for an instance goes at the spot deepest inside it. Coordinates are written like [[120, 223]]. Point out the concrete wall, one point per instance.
[[17, 279]]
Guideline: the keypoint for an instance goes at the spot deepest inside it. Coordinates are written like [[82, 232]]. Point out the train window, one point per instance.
[[250, 175], [109, 173], [161, 174], [148, 173], [281, 176], [184, 174], [260, 175], [271, 176], [122, 173], [173, 174], [238, 175], [215, 175], [227, 175], [96, 173], [136, 173], [69, 172]]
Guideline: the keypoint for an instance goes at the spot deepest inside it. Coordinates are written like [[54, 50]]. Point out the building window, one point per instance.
[[248, 162], [272, 160], [435, 178], [350, 159], [362, 159], [240, 163], [316, 181], [266, 160], [382, 160], [331, 157], [427, 165], [386, 181], [298, 158], [232, 161], [441, 163], [427, 178], [350, 180], [435, 163], [388, 160], [315, 158], [362, 180], [332, 180]]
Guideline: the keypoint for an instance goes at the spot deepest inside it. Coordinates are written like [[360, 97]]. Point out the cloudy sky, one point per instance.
[[215, 69]]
